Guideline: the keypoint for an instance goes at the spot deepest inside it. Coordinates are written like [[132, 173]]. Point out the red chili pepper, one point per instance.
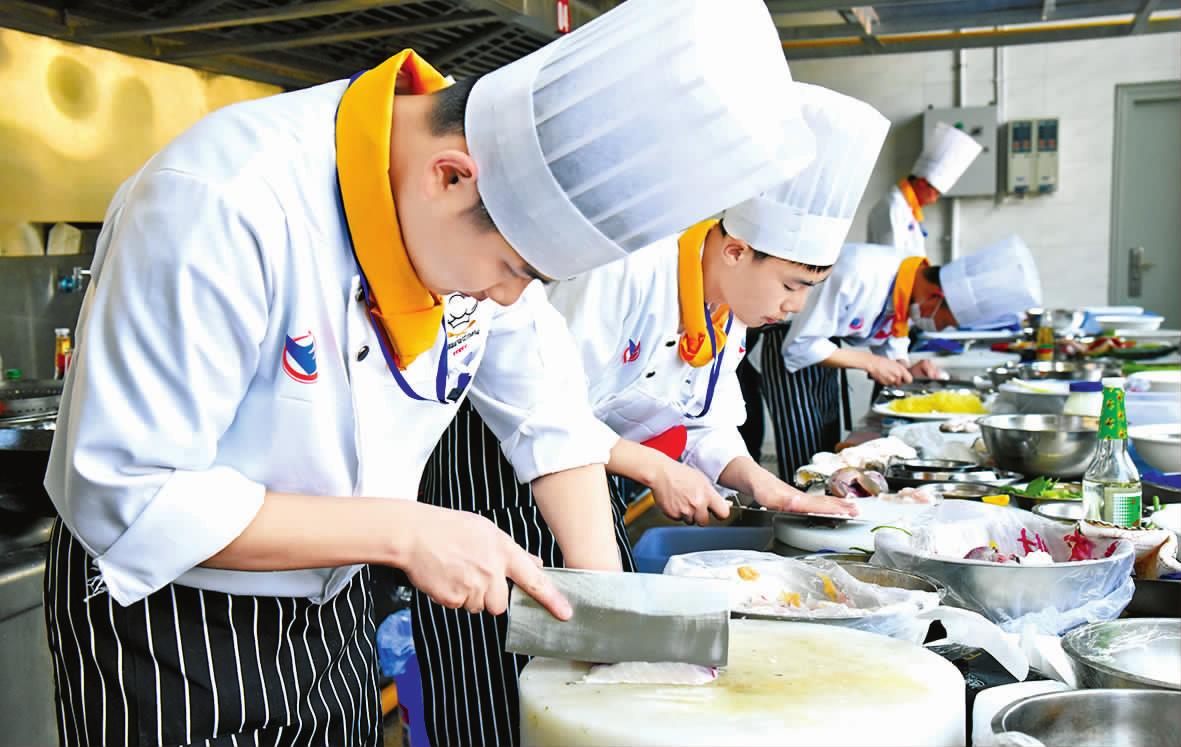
[[1026, 543], [1081, 548], [1110, 550]]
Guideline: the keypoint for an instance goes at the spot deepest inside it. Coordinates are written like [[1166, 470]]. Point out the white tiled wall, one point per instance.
[[1069, 231]]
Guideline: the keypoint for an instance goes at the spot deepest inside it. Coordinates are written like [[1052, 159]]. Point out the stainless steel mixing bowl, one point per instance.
[[1142, 653], [1095, 718], [1052, 445], [1057, 370]]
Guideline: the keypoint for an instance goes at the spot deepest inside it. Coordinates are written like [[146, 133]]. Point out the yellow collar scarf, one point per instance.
[[904, 282], [911, 199], [694, 347], [408, 314]]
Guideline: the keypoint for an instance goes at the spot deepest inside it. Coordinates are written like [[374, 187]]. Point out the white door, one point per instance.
[[1146, 199]]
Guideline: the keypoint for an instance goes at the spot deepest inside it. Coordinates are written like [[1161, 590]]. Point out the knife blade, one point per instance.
[[626, 617]]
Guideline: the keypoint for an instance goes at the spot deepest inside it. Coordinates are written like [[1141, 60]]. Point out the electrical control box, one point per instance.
[[1021, 163], [1031, 156], [1047, 155], [979, 122]]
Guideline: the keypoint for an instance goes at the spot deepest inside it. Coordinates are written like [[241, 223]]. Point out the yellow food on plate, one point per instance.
[[830, 589], [790, 598], [958, 403], [746, 573]]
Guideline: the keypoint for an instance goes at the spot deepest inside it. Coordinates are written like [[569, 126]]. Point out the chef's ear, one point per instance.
[[450, 172], [733, 249]]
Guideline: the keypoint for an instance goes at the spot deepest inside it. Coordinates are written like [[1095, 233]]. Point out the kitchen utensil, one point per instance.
[[1051, 445], [962, 490], [1155, 597], [1062, 321], [1067, 512], [29, 398], [1140, 653], [1159, 381], [1095, 718], [737, 503], [969, 364], [1056, 370], [797, 684], [899, 478], [934, 465], [625, 617], [1159, 445]]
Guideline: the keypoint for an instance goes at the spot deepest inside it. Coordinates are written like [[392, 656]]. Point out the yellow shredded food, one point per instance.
[[790, 598], [960, 403], [830, 589], [746, 573]]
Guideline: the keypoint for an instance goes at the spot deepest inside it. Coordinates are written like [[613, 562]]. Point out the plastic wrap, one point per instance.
[[1147, 649], [932, 443], [1049, 599], [395, 643]]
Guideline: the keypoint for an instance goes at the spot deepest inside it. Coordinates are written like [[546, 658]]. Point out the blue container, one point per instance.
[[659, 544]]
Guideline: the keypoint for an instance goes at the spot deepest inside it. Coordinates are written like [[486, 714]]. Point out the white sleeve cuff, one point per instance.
[[192, 517], [711, 449], [550, 441], [801, 353]]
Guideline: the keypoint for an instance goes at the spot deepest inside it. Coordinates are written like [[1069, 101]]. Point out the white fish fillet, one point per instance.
[[650, 673]]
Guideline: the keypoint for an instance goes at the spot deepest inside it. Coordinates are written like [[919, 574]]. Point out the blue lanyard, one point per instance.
[[382, 341], [716, 369]]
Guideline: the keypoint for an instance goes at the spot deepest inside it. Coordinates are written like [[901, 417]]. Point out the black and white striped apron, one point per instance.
[[187, 666], [469, 682], [805, 406]]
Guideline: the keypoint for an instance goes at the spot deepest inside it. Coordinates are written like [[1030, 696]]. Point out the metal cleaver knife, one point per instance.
[[626, 617]]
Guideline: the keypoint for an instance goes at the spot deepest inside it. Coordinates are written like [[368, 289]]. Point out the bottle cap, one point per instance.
[[61, 331], [1113, 382], [1086, 386], [13, 374]]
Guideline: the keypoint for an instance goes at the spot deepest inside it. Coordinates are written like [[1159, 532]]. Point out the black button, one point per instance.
[[650, 374], [670, 343], [363, 353], [360, 294]]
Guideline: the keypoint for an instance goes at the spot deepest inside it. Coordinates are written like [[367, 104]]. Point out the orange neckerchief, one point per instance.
[[904, 282], [408, 313], [911, 199], [694, 349]]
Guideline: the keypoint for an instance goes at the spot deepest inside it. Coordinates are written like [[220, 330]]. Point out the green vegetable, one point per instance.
[[889, 526], [1045, 487]]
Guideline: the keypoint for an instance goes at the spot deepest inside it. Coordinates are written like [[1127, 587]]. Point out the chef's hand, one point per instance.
[[460, 559], [779, 496], [927, 369], [684, 494], [887, 372]]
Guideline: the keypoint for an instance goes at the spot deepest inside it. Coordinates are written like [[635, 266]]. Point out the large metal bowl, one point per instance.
[[1057, 370], [899, 478], [1067, 512], [1052, 445], [1095, 718], [1137, 654]]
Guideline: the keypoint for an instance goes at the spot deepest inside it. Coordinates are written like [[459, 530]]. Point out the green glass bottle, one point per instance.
[[1111, 485]]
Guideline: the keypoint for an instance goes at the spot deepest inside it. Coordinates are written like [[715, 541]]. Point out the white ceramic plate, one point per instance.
[[1160, 381], [967, 334], [1127, 322], [1159, 445], [885, 409]]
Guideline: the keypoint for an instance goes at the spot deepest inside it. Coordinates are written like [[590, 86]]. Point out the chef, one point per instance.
[[660, 334], [874, 296], [289, 302], [898, 219]]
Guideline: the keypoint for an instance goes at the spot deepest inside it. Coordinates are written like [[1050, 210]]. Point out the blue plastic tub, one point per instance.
[[659, 544]]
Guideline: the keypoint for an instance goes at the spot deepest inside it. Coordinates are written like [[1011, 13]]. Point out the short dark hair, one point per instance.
[[931, 275], [760, 256], [448, 117]]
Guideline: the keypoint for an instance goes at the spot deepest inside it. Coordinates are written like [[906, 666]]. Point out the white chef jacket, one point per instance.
[[855, 304], [223, 350], [625, 317], [892, 223]]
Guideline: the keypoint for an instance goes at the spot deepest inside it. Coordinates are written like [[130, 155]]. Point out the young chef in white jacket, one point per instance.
[[897, 220], [660, 334], [875, 294], [288, 305]]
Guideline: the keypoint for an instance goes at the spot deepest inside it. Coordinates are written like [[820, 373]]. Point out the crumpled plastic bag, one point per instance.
[[932, 443], [897, 613], [395, 643], [1006, 739], [1156, 549], [1048, 599]]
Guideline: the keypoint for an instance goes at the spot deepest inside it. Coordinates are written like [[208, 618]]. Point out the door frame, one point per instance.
[[1127, 95]]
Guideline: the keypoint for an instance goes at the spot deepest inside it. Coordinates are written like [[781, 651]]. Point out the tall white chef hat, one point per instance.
[[632, 128], [807, 218], [947, 156], [999, 280]]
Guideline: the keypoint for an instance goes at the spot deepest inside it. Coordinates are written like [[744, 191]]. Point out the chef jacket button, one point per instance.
[[650, 374], [363, 353], [360, 295], [670, 343]]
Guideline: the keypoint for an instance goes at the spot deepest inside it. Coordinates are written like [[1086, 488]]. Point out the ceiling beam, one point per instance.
[[270, 42], [1147, 7], [986, 19], [1048, 9], [971, 40], [444, 56], [204, 22], [812, 6]]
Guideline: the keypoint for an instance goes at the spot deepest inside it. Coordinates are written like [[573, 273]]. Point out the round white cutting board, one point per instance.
[[850, 535], [785, 684]]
